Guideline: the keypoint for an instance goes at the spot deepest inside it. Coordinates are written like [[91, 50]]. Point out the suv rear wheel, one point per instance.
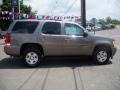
[[101, 55], [32, 57]]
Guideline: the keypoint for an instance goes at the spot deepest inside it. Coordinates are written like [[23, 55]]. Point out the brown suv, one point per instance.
[[33, 39]]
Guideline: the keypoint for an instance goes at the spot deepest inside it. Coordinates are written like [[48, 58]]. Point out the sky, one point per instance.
[[94, 8], [0, 1]]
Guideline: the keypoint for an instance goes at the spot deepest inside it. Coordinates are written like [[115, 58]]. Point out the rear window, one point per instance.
[[52, 28], [25, 27]]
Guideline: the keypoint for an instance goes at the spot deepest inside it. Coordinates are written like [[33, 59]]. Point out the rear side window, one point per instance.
[[25, 27], [52, 28]]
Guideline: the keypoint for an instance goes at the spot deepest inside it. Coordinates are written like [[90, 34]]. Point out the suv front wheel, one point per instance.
[[101, 55], [32, 57]]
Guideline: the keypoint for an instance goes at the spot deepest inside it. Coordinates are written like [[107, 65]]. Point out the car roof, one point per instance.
[[46, 21]]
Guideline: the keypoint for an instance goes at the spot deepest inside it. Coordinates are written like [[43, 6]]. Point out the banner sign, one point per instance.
[[39, 17]]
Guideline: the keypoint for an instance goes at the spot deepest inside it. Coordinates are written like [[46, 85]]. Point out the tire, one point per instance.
[[101, 55], [32, 57]]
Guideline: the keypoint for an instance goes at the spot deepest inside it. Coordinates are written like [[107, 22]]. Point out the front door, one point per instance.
[[74, 41]]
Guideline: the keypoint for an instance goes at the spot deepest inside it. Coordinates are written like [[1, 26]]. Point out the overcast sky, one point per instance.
[[0, 1], [94, 8]]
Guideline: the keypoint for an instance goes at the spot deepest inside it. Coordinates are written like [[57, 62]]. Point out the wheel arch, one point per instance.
[[31, 45], [107, 46]]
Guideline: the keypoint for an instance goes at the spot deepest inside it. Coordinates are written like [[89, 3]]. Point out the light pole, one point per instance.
[[12, 6], [83, 13], [13, 13], [15, 3]]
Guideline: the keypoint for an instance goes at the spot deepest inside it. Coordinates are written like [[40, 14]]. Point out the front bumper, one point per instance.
[[114, 49]]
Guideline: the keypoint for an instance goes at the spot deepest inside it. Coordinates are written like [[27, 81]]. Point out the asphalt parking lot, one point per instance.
[[62, 73]]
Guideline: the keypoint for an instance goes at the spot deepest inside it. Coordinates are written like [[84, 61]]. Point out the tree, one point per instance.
[[108, 20], [102, 21], [116, 22], [93, 21], [6, 6]]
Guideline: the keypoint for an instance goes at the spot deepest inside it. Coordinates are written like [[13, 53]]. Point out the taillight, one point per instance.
[[8, 39]]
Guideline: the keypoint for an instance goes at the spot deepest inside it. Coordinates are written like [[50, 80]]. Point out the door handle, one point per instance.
[[67, 39]]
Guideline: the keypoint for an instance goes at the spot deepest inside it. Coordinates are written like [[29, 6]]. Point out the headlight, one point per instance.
[[114, 43]]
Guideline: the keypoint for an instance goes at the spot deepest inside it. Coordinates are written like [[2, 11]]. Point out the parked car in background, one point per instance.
[[98, 27], [32, 40], [112, 26], [104, 27], [108, 26], [89, 26]]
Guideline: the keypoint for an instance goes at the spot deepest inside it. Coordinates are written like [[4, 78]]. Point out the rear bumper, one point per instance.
[[13, 51]]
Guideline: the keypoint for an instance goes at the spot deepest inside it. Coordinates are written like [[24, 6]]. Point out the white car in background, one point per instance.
[[88, 27], [98, 27]]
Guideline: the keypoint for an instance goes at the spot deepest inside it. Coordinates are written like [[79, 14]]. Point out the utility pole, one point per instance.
[[83, 13]]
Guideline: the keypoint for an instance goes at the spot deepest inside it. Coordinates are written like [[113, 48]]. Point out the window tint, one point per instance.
[[25, 27], [71, 29], [52, 28]]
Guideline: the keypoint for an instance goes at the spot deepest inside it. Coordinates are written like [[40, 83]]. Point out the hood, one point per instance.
[[102, 38]]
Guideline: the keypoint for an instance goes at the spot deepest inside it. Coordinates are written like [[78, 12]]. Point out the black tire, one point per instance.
[[39, 57], [96, 55]]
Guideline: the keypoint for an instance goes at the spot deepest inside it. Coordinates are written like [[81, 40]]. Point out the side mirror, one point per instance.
[[85, 34]]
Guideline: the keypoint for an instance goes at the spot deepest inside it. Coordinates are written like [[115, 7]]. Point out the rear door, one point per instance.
[[52, 39]]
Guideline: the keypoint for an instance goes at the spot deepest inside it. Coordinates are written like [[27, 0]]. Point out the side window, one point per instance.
[[25, 27], [51, 28], [71, 29]]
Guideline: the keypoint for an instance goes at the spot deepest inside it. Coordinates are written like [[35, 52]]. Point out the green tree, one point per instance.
[[108, 20], [116, 22], [6, 6], [102, 21]]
